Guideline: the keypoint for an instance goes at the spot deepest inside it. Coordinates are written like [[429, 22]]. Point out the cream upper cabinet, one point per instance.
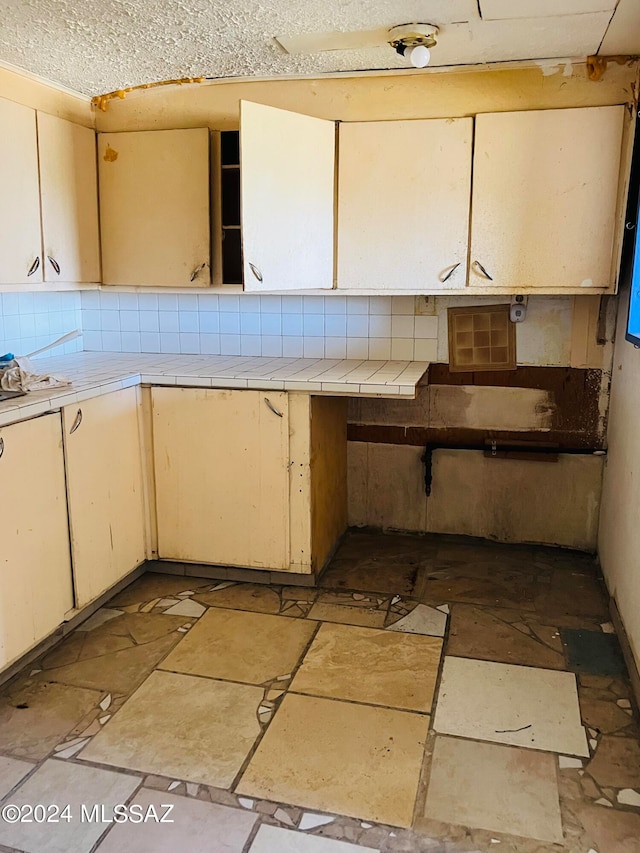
[[222, 476], [35, 567], [105, 490], [20, 238], [69, 199], [287, 198], [545, 187], [404, 190], [154, 207]]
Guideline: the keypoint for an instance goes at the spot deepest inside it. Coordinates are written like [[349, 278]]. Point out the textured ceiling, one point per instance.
[[96, 46]]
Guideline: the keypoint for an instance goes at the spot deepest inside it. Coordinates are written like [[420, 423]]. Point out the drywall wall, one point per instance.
[[38, 94], [553, 503], [215, 104], [548, 400], [619, 533]]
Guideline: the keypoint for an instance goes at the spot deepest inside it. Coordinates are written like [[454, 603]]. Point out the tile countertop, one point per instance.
[[95, 373]]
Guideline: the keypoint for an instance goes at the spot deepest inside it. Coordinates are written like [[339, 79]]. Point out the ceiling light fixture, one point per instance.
[[413, 42]]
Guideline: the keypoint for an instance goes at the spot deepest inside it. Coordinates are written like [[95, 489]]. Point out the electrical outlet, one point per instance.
[[425, 305]]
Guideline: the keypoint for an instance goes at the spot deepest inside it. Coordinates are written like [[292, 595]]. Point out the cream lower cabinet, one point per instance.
[[249, 478], [35, 567], [105, 490]]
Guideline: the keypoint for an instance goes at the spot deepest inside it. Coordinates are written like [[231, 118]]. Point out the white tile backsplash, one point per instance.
[[29, 321], [252, 324], [336, 326]]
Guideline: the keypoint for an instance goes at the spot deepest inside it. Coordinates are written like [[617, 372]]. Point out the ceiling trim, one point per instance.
[[36, 78]]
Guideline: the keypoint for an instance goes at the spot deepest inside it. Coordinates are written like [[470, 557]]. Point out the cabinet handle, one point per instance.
[[1, 447], [273, 408], [197, 270], [449, 274], [54, 264], [34, 266], [481, 270], [254, 269], [76, 423]]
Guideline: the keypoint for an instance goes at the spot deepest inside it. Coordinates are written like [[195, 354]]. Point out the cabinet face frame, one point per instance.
[[155, 207], [287, 176]]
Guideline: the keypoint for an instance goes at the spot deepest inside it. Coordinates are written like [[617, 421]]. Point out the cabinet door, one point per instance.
[[287, 164], [222, 476], [69, 199], [35, 566], [154, 207], [404, 189], [105, 488], [545, 185], [20, 240]]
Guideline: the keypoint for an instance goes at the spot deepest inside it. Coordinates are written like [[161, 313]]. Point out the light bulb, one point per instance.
[[419, 56]]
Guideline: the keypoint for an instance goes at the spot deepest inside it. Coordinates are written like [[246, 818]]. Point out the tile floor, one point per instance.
[[433, 694]]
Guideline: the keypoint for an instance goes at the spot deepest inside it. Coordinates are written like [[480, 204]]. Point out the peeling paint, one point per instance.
[[547, 67], [490, 408]]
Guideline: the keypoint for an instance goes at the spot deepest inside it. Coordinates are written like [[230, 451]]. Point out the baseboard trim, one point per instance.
[[629, 658], [229, 573], [65, 628]]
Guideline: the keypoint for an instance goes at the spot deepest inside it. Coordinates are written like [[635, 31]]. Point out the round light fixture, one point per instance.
[[413, 42]]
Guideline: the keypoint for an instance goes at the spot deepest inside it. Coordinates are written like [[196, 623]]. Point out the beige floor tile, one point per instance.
[[273, 839], [241, 646], [517, 705], [11, 772], [37, 715], [366, 617], [118, 672], [195, 825], [147, 627], [368, 665], [421, 620], [475, 633], [156, 585], [339, 757], [183, 727], [58, 783], [609, 830], [243, 596], [375, 575], [498, 788], [616, 763]]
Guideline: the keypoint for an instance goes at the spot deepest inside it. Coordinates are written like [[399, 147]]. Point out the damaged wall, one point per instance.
[[557, 399], [619, 535]]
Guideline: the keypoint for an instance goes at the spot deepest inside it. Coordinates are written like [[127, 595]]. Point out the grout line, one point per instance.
[[238, 777]]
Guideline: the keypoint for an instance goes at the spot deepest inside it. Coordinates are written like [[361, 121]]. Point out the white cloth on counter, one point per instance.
[[20, 375]]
